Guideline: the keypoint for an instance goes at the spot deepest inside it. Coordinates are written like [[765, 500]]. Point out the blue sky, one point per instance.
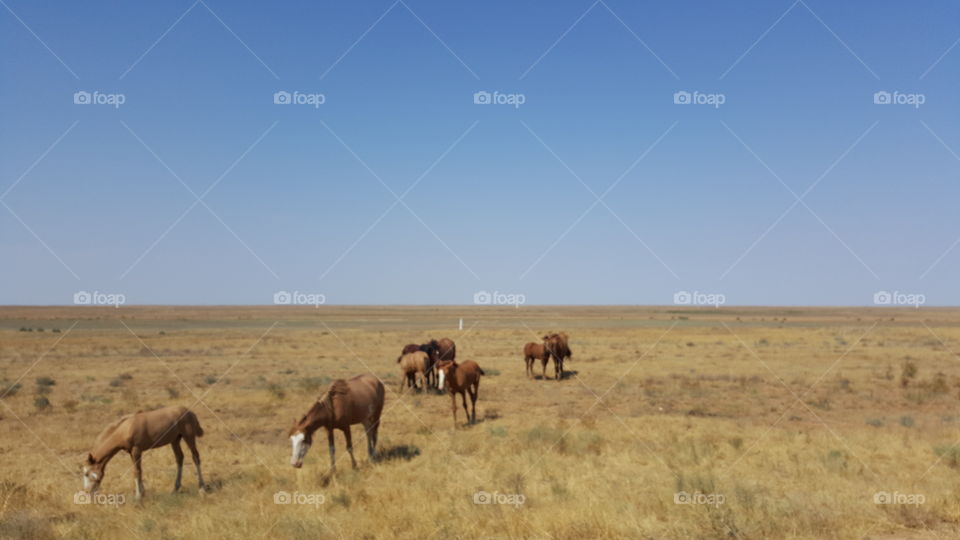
[[497, 197]]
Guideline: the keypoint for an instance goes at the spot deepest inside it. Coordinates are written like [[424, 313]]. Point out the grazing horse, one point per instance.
[[414, 366], [433, 355], [461, 378], [355, 401], [558, 346], [533, 352], [136, 433]]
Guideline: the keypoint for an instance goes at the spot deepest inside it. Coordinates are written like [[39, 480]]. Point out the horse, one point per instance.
[[414, 366], [447, 349], [558, 346], [461, 378], [433, 354], [533, 352], [136, 433], [355, 401]]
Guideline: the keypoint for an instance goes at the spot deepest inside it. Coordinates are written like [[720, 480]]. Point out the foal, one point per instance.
[[136, 433], [461, 378]]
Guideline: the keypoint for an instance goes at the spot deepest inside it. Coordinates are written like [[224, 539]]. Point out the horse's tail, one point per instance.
[[482, 372]]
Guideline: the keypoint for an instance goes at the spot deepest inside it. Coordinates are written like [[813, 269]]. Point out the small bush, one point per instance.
[[9, 390], [949, 455], [907, 373], [45, 381], [906, 421], [41, 403], [173, 392], [875, 422], [210, 379]]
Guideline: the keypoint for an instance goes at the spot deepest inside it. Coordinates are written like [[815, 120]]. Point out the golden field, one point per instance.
[[778, 423]]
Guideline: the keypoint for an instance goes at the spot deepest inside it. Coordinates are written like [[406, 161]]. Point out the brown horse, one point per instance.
[[558, 346], [432, 350], [136, 433], [355, 401], [461, 378], [533, 352], [447, 349], [413, 367]]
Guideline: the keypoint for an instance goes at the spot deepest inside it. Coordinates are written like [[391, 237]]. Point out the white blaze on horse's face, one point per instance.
[[300, 447], [91, 480], [441, 374]]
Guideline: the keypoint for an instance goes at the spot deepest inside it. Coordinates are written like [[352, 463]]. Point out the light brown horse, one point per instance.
[[558, 346], [136, 433], [533, 352], [355, 401], [461, 378], [414, 367]]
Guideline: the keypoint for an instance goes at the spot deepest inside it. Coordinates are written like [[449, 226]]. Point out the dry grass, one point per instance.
[[796, 417]]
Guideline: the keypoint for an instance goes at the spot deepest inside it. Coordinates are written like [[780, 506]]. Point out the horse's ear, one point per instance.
[[90, 459]]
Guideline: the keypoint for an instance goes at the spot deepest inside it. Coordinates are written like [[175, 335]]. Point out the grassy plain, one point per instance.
[[789, 422]]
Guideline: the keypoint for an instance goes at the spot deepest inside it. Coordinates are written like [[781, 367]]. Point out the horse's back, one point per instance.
[[363, 395]]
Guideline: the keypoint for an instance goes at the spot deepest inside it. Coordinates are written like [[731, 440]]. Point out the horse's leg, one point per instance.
[[136, 454], [473, 403], [403, 381], [372, 432], [178, 454], [333, 462], [192, 444], [346, 433], [463, 396], [558, 366], [543, 365], [453, 405]]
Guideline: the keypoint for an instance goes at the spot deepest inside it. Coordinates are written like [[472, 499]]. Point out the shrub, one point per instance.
[[45, 381], [41, 403]]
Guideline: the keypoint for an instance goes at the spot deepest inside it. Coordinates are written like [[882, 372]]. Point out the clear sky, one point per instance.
[[787, 185]]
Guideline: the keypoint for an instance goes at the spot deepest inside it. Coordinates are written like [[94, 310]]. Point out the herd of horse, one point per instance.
[[358, 400]]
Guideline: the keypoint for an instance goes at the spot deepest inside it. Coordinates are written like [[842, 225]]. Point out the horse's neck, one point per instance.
[[321, 415], [107, 448]]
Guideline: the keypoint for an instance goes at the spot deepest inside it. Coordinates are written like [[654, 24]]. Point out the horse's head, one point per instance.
[[92, 474], [301, 439]]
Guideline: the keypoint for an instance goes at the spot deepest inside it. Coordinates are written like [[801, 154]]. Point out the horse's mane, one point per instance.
[[110, 429]]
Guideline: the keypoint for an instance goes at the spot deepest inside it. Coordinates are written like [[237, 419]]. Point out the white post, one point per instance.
[[461, 323]]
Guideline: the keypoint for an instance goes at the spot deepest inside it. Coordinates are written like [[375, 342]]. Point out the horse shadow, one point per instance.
[[563, 376], [398, 452]]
